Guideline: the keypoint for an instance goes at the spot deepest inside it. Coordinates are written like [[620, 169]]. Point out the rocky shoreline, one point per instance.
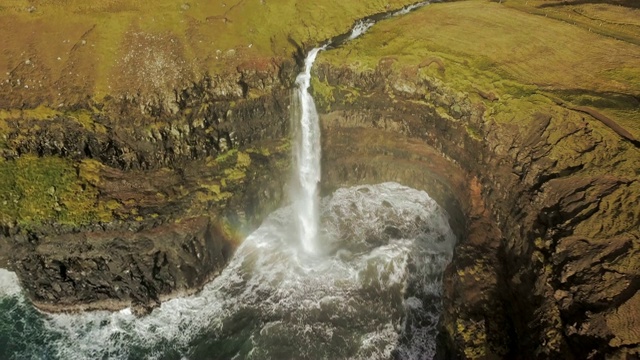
[[112, 270]]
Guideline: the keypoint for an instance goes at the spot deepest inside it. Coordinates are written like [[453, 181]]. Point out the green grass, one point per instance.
[[323, 93], [35, 190], [44, 113], [487, 47], [608, 19], [114, 46]]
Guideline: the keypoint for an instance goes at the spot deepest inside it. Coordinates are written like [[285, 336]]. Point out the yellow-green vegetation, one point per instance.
[[243, 160], [261, 151], [212, 192], [85, 118], [622, 202], [473, 133], [475, 271], [611, 19], [507, 58], [233, 172], [89, 171], [35, 190], [95, 48], [323, 93], [624, 321], [284, 146], [215, 189], [40, 113], [474, 335], [229, 170], [82, 117]]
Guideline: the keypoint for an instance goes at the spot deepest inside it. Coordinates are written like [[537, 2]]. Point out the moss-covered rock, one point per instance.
[[36, 190]]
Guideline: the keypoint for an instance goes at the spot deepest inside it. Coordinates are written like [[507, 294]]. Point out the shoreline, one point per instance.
[[111, 305]]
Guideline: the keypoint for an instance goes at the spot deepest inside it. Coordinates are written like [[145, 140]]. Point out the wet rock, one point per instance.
[[545, 201], [114, 269], [393, 232], [535, 253]]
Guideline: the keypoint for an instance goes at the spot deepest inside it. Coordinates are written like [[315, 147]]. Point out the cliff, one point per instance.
[[137, 142], [544, 129]]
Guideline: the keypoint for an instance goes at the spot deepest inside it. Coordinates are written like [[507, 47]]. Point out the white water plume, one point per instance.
[[360, 28], [307, 150], [307, 158], [9, 285], [373, 293]]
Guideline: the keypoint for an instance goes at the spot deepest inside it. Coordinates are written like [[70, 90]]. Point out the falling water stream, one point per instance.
[[307, 158], [354, 275], [307, 152]]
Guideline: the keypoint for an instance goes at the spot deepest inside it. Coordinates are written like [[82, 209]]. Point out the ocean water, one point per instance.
[[372, 290]]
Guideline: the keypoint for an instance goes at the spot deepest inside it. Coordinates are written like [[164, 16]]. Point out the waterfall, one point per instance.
[[307, 157], [307, 151]]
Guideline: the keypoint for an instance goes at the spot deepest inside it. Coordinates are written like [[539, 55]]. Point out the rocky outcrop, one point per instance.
[[356, 150], [119, 268], [118, 131], [207, 119], [548, 252], [103, 203]]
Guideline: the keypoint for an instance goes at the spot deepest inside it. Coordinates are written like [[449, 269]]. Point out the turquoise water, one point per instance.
[[373, 291]]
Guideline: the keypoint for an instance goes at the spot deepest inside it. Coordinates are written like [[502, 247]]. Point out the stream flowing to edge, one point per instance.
[[307, 150]]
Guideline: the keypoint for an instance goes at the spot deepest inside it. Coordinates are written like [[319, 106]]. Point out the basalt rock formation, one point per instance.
[[79, 202], [548, 264], [109, 269], [131, 164]]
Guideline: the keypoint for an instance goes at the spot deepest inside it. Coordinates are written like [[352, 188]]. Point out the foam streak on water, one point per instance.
[[8, 283], [407, 9], [360, 28]]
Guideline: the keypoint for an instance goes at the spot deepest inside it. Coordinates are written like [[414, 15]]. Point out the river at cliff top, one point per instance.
[[375, 293]]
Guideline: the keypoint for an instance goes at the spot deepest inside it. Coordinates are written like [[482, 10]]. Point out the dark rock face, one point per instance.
[[203, 124], [548, 264], [115, 269], [171, 179], [364, 154]]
